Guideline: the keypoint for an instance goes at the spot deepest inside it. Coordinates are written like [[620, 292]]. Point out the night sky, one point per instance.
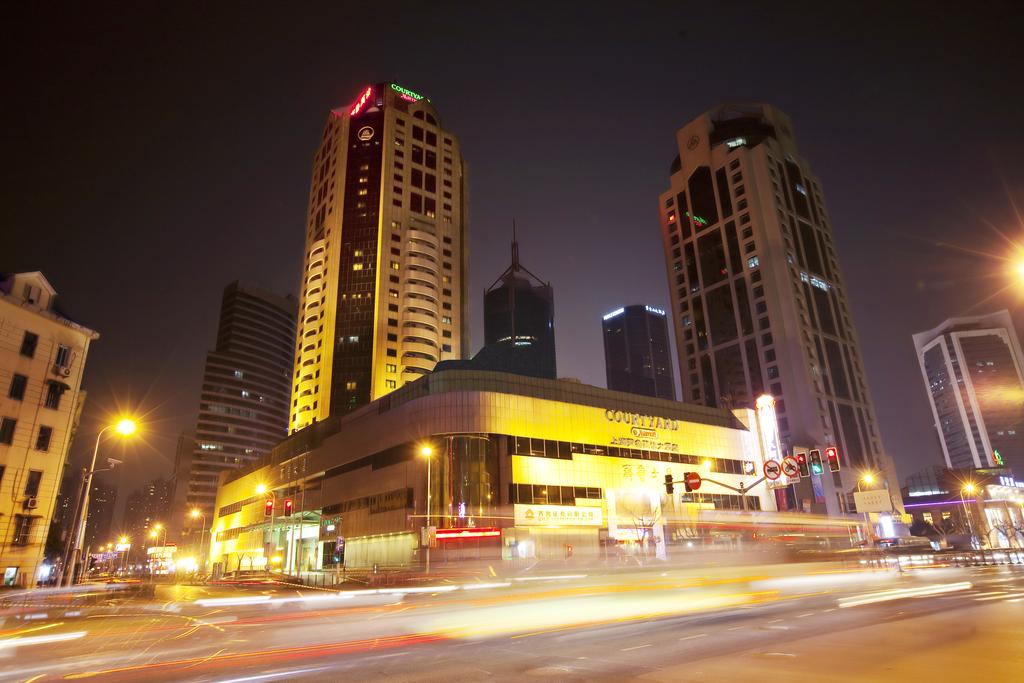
[[151, 156]]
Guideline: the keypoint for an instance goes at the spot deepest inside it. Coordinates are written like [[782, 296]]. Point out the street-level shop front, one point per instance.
[[486, 465]]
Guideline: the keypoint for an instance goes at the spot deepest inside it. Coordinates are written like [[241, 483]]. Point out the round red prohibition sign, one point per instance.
[[772, 470], [790, 467]]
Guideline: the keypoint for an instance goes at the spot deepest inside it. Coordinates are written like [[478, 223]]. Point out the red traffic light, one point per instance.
[[288, 507], [832, 454], [268, 507], [692, 480], [801, 460]]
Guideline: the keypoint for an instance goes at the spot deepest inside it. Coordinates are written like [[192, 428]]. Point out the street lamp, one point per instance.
[[196, 514], [426, 451], [968, 488], [125, 427]]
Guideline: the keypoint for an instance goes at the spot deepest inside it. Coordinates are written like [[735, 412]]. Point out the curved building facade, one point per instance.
[[520, 468]]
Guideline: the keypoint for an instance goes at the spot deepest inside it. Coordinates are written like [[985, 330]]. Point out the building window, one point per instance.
[[446, 347], [18, 384], [43, 440], [63, 358], [22, 529], [390, 383], [391, 367], [357, 266], [7, 430], [392, 337], [395, 265], [753, 262], [28, 344], [32, 483], [350, 386], [53, 393], [392, 353], [446, 320]]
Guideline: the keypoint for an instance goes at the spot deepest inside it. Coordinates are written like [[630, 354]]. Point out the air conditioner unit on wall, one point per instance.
[[31, 503]]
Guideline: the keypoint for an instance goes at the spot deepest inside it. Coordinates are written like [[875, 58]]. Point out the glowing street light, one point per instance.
[[126, 426], [196, 513], [426, 451]]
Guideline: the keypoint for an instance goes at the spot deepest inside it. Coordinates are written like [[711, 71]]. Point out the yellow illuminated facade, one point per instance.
[[42, 358], [385, 267], [553, 466]]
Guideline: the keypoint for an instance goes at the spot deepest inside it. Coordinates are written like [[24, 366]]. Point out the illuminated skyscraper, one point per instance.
[[636, 352], [385, 269], [758, 300], [973, 369]]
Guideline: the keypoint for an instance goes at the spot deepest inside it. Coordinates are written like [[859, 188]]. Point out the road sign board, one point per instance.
[[693, 480], [790, 467], [772, 470]]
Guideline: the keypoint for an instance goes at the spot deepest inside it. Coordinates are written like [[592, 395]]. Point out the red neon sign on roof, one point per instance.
[[361, 102]]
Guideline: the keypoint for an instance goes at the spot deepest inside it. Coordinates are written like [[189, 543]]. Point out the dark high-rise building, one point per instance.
[[519, 323], [102, 500], [758, 299], [243, 405], [636, 352], [384, 271], [973, 369], [144, 508], [181, 478]]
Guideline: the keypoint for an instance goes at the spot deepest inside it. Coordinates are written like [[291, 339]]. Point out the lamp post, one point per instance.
[[969, 488], [195, 514], [868, 478], [261, 489], [124, 427], [155, 534], [124, 554], [428, 453]]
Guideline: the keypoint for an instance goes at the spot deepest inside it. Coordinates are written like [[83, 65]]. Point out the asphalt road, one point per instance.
[[781, 623]]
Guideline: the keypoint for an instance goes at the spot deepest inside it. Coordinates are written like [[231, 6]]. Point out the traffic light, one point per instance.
[[815, 457], [801, 460], [268, 507], [669, 488], [832, 454], [288, 507]]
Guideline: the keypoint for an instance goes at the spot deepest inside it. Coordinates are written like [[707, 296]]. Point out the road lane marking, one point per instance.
[[903, 593], [635, 647], [699, 635], [805, 614], [19, 641]]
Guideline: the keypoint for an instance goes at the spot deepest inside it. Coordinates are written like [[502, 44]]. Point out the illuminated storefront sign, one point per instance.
[[614, 313], [407, 94], [769, 428], [470, 532], [361, 102], [656, 311], [365, 133], [638, 420], [557, 515]]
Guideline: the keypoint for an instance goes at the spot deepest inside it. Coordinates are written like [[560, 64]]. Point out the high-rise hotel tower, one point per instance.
[[385, 270], [758, 300]]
